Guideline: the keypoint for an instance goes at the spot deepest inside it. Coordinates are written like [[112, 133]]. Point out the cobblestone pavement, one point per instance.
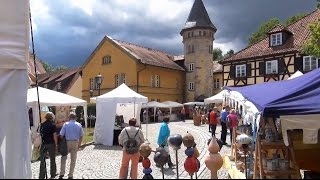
[[102, 162]]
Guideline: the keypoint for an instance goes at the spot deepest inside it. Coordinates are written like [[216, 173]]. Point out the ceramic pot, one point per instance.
[[161, 156], [175, 141], [145, 150], [188, 140], [213, 160]]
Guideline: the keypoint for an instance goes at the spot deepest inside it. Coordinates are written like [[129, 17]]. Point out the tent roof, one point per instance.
[[155, 104], [296, 74], [300, 95], [124, 94], [218, 98], [52, 98], [194, 103], [172, 104]]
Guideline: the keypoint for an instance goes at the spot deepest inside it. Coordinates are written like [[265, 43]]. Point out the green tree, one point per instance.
[[318, 4], [312, 45], [229, 53], [61, 68], [48, 67], [217, 54], [294, 19], [262, 30]]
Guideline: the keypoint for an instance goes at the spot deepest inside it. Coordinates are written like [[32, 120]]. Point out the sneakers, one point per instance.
[[61, 177]]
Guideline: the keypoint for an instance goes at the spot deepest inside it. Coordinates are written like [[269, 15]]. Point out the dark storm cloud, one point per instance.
[[72, 35]]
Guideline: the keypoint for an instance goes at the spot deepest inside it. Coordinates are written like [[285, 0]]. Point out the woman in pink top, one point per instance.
[[233, 122]]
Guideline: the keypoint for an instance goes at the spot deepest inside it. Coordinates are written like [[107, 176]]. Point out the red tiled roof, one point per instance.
[[68, 73], [277, 28], [300, 33], [216, 67], [150, 56]]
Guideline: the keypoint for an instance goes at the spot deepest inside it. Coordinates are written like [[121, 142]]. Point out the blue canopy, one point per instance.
[[297, 96]]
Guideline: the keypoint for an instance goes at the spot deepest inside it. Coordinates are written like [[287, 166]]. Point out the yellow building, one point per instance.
[[149, 72]]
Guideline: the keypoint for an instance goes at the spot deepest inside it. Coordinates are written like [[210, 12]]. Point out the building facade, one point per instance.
[[149, 72], [277, 57]]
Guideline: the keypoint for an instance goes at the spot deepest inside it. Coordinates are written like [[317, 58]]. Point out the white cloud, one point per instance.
[[39, 13], [236, 44], [85, 5]]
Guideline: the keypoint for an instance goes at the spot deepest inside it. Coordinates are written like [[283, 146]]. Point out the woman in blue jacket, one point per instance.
[[164, 133]]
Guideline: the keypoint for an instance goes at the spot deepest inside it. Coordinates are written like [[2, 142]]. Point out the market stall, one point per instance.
[[107, 108], [298, 96]]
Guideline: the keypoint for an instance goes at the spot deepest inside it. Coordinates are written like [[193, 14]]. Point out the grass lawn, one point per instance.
[[88, 135]]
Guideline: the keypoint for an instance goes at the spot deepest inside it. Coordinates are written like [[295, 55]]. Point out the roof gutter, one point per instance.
[[138, 72]]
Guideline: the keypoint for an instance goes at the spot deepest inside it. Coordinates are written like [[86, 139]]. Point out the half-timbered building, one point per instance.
[[276, 57]]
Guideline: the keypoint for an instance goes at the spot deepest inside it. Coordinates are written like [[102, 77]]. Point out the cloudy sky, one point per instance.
[[67, 31]]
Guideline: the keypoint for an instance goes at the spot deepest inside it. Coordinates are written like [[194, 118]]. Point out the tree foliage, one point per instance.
[[293, 19], [50, 68], [318, 4], [262, 30], [312, 46], [217, 54]]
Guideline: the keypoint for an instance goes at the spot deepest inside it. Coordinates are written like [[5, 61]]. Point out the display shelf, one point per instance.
[[279, 172]]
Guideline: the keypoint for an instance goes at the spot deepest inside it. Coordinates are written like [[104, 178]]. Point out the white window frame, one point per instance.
[[106, 60], [276, 39], [59, 86], [241, 70], [210, 92], [123, 78], [216, 83], [117, 80], [191, 86], [91, 83], [157, 81], [273, 67], [210, 74], [309, 59], [191, 67]]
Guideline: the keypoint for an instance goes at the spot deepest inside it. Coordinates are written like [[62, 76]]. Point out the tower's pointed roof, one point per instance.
[[198, 17]]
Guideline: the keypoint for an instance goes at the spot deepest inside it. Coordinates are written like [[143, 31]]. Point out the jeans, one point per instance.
[[224, 132], [72, 149], [125, 165], [51, 148], [213, 129]]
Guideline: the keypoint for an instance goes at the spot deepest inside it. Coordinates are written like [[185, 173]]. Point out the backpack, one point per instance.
[[131, 145]]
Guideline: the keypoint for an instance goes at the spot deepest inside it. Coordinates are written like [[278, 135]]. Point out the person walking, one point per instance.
[[183, 114], [130, 139], [163, 136], [73, 133], [233, 122], [213, 121], [49, 144], [223, 120]]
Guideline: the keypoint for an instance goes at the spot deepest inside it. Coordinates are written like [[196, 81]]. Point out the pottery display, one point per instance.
[[188, 140], [213, 160]]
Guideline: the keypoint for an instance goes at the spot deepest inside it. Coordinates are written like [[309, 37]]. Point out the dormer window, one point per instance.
[[276, 39]]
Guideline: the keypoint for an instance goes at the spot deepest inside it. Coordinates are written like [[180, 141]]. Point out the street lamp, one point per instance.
[[91, 92], [99, 81]]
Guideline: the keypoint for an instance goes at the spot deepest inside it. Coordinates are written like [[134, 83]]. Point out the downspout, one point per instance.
[[145, 67]]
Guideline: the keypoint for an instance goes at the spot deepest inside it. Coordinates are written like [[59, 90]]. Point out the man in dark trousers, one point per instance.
[[223, 120]]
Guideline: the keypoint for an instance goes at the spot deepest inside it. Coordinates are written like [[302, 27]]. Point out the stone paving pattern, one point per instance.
[[103, 162]]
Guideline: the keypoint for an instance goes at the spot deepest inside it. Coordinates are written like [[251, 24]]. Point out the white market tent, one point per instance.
[[172, 104], [49, 97], [154, 105], [194, 103], [296, 74], [218, 98], [15, 142], [107, 108]]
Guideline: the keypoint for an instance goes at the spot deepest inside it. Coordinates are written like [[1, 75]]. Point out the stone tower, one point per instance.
[[198, 35]]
